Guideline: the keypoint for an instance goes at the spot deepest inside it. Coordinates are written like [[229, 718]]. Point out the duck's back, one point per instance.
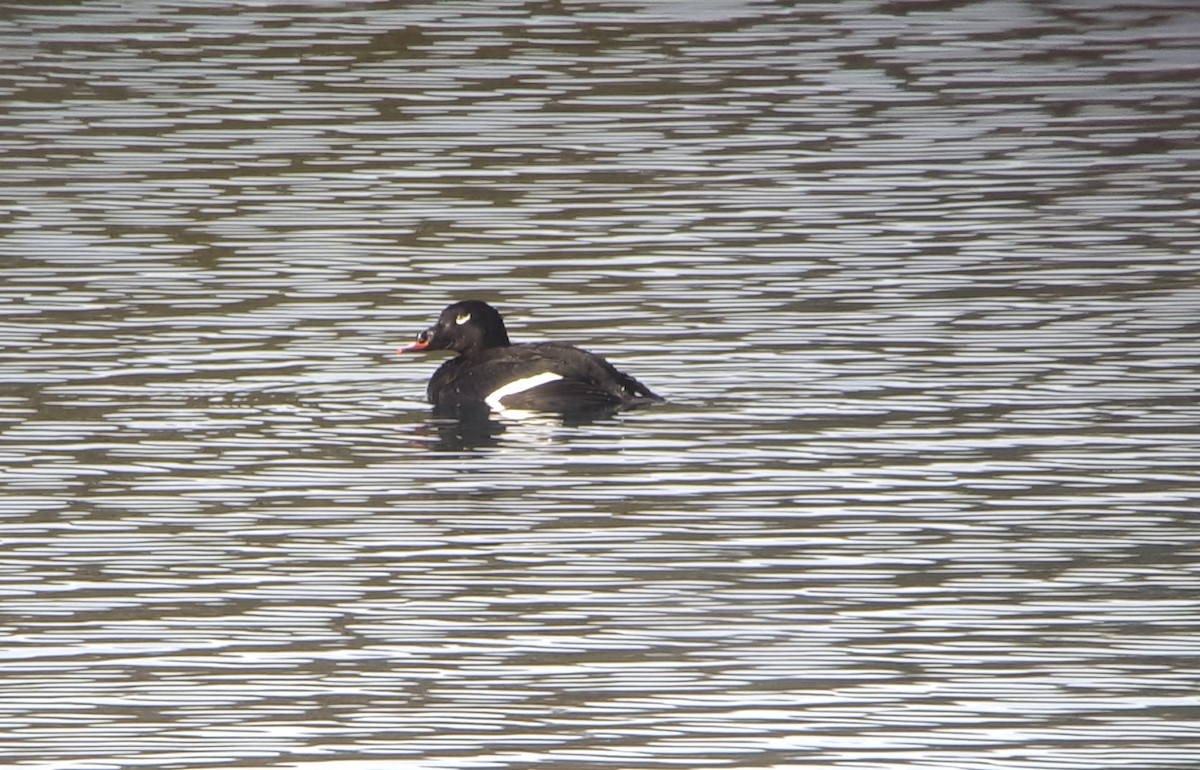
[[543, 376]]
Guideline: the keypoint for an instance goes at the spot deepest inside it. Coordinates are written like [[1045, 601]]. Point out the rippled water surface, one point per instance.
[[919, 280]]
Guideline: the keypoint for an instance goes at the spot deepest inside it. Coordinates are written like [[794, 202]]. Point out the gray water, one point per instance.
[[918, 279]]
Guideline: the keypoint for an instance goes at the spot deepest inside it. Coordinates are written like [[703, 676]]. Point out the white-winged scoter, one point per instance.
[[536, 376]]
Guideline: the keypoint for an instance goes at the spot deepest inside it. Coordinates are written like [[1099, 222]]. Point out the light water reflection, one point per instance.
[[918, 280]]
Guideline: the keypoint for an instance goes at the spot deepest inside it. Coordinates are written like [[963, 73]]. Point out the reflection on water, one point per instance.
[[917, 279]]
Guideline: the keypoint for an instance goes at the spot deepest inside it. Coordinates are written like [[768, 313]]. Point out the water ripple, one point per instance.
[[918, 283]]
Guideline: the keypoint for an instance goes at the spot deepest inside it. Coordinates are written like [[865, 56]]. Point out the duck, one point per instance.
[[492, 372]]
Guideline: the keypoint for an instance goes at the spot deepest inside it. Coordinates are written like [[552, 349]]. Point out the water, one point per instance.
[[919, 281]]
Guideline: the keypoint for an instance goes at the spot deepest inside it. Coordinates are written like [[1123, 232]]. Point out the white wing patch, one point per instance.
[[519, 386]]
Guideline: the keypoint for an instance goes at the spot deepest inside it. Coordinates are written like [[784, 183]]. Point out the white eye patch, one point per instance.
[[462, 319]]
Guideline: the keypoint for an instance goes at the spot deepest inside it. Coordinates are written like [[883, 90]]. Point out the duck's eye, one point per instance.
[[462, 319]]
